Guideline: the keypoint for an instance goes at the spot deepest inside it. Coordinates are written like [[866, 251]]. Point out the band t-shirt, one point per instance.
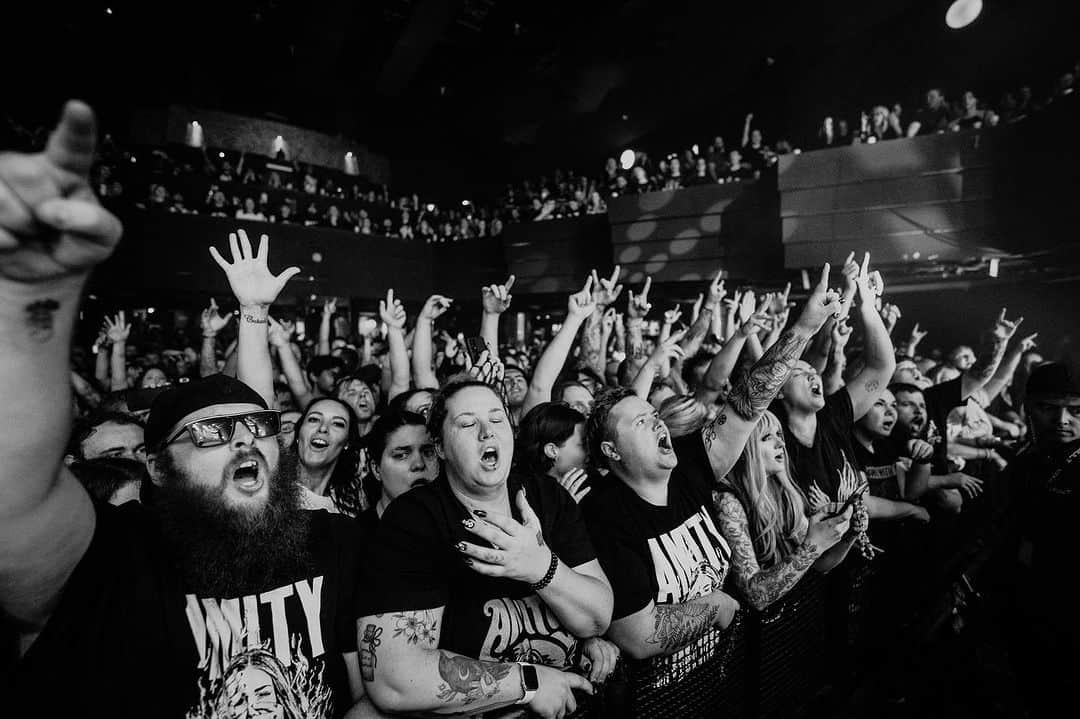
[[417, 566], [670, 554], [126, 639], [821, 463], [879, 465]]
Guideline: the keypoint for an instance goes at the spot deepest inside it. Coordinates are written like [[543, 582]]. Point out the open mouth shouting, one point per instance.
[[489, 458], [663, 441], [319, 443], [245, 475]]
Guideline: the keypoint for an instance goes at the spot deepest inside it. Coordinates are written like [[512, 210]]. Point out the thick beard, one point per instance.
[[227, 552]]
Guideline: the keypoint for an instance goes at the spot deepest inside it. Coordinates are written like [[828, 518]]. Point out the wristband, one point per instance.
[[547, 577]]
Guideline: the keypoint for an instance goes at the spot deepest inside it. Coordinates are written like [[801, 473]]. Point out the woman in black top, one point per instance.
[[401, 456], [489, 593]]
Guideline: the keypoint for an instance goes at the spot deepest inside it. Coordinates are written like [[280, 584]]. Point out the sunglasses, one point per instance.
[[216, 431]]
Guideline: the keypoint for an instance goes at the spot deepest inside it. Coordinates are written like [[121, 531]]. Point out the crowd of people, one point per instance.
[[734, 516]]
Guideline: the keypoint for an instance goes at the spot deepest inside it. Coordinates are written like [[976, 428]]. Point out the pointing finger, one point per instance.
[[865, 264], [648, 284], [615, 274], [509, 283], [823, 281]]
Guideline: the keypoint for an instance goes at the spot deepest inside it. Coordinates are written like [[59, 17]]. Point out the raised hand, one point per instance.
[[366, 326], [841, 333], [249, 276], [608, 320], [574, 483], [211, 320], [1028, 343], [716, 291], [391, 312], [606, 289], [279, 334], [672, 316], [117, 329], [850, 272], [497, 297], [1005, 329], [822, 304], [639, 304], [329, 307], [697, 307], [754, 323], [487, 369], [890, 314], [581, 304], [667, 351], [435, 307], [747, 306], [51, 225], [916, 336]]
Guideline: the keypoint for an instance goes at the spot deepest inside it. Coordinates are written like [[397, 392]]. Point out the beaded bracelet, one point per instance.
[[547, 577]]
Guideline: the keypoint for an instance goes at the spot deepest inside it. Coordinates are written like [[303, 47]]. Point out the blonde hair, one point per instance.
[[683, 414], [775, 506]]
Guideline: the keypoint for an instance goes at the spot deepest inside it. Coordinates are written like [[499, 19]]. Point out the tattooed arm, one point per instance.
[[726, 435], [53, 233], [405, 671], [879, 360], [760, 587], [662, 629], [990, 355]]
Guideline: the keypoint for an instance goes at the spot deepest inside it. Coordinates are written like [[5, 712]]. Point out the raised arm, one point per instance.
[[878, 358], [746, 129], [579, 308], [593, 344], [329, 307], [52, 233], [290, 367], [1004, 374], [658, 364], [422, 354], [637, 308], [726, 435], [211, 323], [117, 330], [762, 587], [102, 354], [255, 288], [833, 377], [693, 338], [393, 314], [496, 300], [723, 364], [990, 355]]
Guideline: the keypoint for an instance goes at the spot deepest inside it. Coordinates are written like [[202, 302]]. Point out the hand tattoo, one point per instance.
[[39, 318], [470, 679]]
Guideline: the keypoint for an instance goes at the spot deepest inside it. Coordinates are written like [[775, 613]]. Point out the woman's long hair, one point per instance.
[[775, 506], [345, 486]]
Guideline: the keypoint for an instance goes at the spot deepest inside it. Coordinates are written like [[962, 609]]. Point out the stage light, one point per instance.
[[962, 13], [194, 134], [431, 207], [352, 167], [626, 159], [108, 11], [149, 310], [221, 155], [465, 203], [995, 265]]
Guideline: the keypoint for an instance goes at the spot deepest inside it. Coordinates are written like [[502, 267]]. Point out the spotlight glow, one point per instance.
[[962, 13], [626, 159]]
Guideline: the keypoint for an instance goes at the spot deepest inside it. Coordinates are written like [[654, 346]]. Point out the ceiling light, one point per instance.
[[962, 13]]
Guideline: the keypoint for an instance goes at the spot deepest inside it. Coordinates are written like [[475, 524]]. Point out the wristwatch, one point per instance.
[[529, 683]]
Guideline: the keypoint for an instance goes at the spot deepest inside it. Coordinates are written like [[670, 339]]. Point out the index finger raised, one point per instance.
[[71, 145]]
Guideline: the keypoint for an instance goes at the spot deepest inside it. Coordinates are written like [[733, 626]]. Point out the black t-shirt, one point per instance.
[[879, 465], [1047, 487], [822, 462], [670, 554], [416, 566], [127, 640]]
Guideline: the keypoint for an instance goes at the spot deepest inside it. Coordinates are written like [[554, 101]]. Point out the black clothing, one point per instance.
[[417, 566], [822, 462], [127, 640]]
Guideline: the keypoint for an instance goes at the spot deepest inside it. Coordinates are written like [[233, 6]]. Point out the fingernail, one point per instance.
[[468, 523], [479, 513], [460, 546]]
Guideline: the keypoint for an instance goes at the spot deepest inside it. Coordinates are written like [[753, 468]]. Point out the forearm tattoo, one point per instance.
[[592, 343], [468, 680], [368, 644], [635, 342], [39, 319], [761, 587], [254, 320], [989, 358], [679, 624], [758, 387], [691, 342], [416, 627]]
